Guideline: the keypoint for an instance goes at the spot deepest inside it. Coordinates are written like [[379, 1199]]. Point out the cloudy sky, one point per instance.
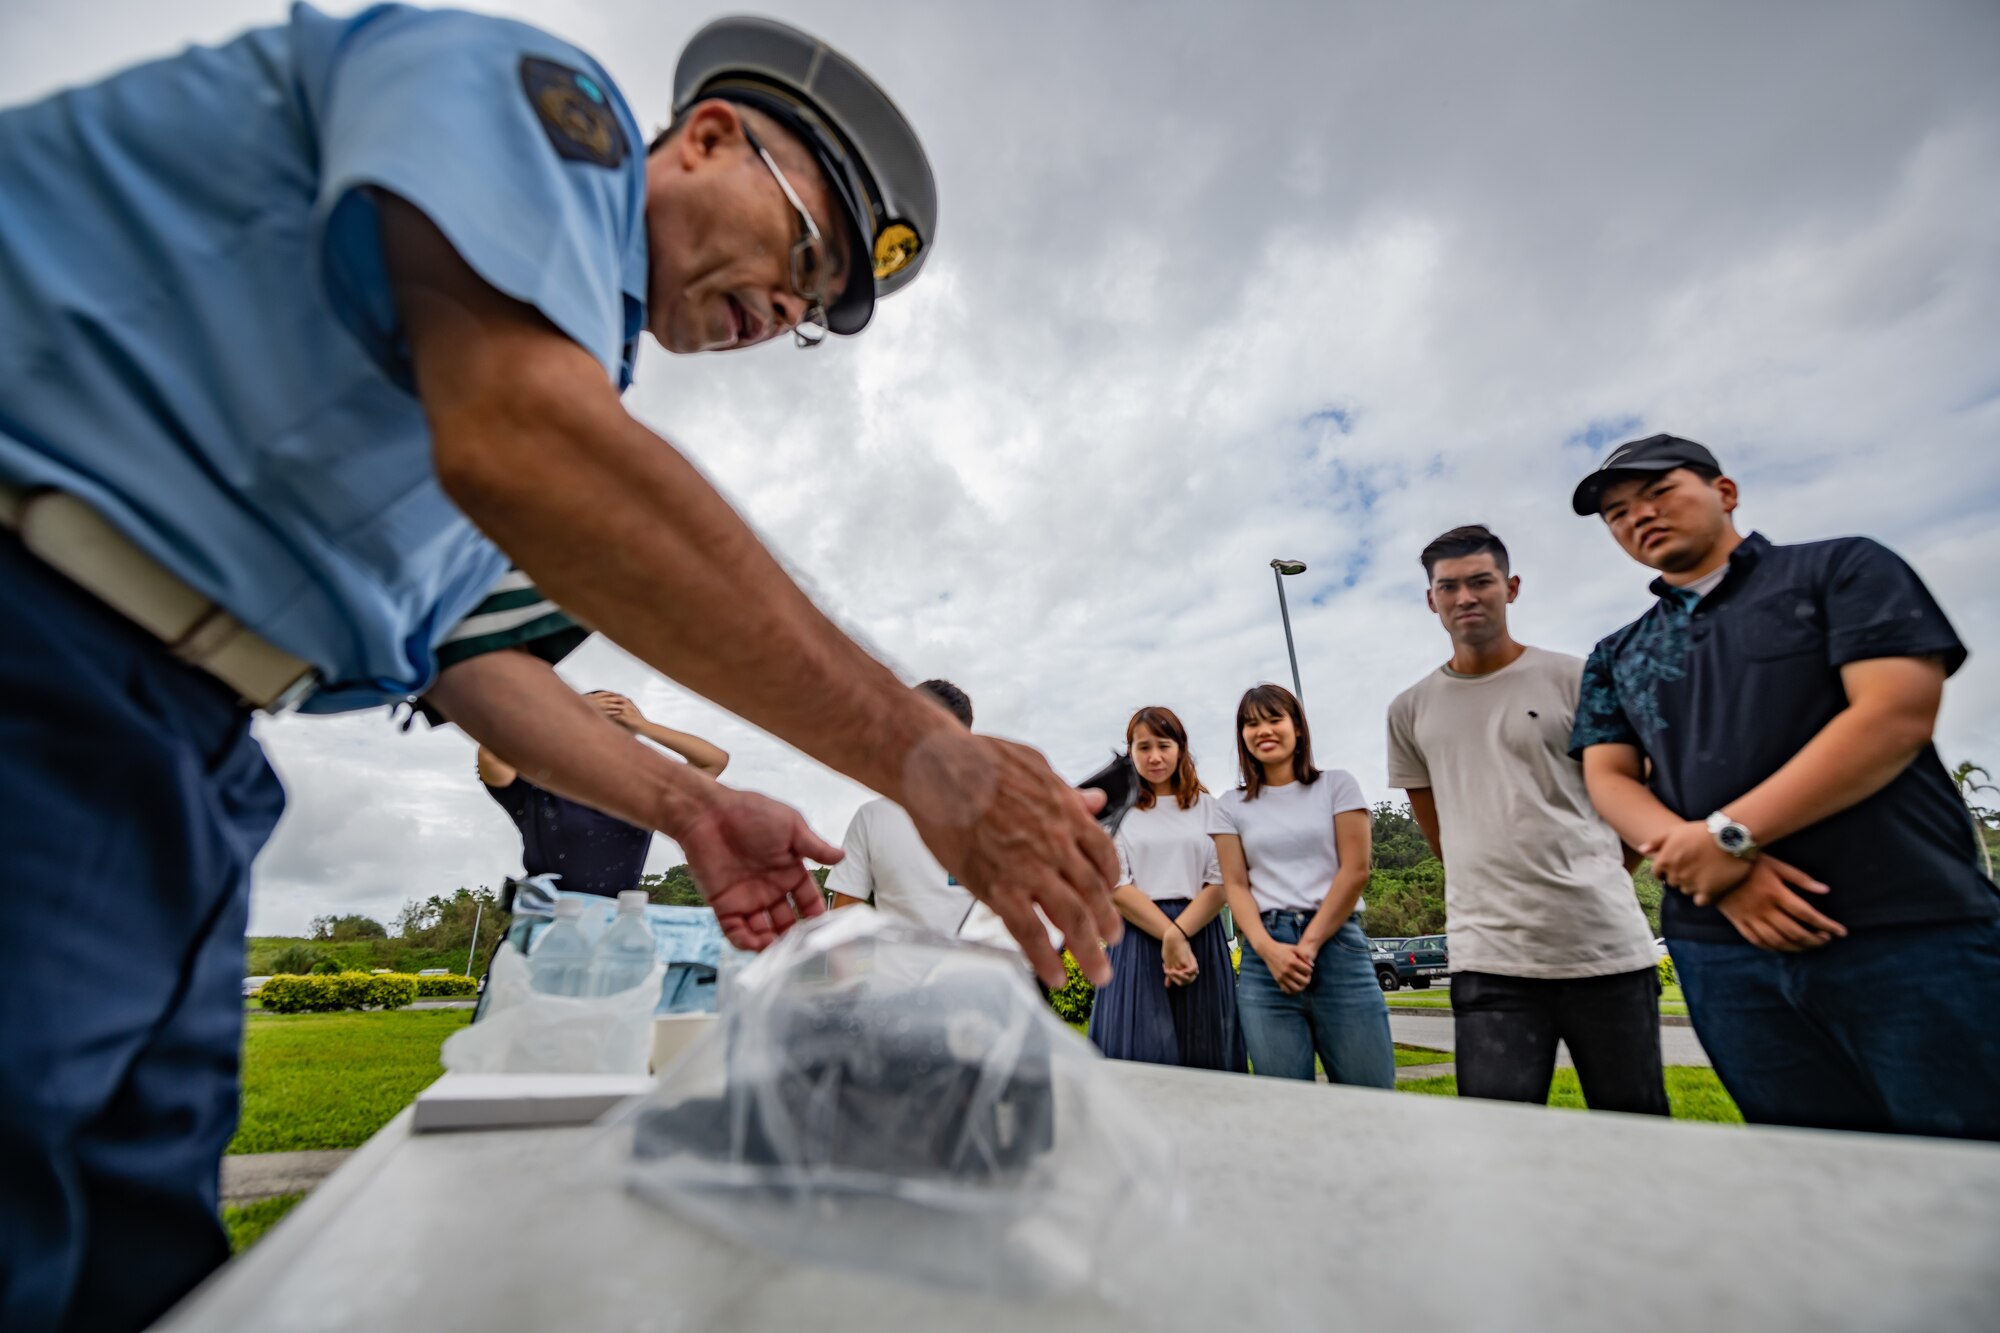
[[1218, 283]]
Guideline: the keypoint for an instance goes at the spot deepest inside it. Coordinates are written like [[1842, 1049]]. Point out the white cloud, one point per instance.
[[1056, 468]]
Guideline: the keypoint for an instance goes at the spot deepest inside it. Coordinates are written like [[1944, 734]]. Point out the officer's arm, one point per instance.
[[611, 522], [515, 706], [615, 526]]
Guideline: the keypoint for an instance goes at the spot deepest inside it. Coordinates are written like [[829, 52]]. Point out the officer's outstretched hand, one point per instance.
[[1018, 838], [747, 854]]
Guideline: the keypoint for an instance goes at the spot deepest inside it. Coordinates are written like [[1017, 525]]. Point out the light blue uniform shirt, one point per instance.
[[197, 334]]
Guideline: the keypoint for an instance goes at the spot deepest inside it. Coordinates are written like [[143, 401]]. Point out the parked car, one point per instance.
[[1382, 953], [433, 971], [1414, 962], [251, 985]]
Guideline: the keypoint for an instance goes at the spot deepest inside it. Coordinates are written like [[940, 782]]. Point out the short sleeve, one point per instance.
[[1600, 717], [1222, 818], [1124, 859], [852, 877], [1407, 768], [1211, 866], [1346, 792], [540, 192], [513, 615], [513, 798], [1876, 606]]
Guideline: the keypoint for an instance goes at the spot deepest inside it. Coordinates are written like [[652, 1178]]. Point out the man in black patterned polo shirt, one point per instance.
[[1836, 936]]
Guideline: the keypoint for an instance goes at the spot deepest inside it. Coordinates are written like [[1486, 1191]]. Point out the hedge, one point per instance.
[[346, 990], [1666, 970], [449, 987]]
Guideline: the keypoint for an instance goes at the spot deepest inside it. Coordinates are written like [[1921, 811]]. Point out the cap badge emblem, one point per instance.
[[895, 246]]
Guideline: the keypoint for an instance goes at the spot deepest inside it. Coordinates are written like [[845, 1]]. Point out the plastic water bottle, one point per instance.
[[561, 960], [624, 956]]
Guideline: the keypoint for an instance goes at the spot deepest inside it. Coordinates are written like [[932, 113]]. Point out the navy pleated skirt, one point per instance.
[[1139, 1017]]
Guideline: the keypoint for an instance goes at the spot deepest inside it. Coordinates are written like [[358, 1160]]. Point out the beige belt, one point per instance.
[[78, 542]]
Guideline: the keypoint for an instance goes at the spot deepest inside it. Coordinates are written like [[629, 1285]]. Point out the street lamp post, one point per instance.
[[1279, 569], [479, 912]]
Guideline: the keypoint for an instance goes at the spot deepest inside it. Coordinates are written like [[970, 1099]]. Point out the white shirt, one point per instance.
[[888, 863], [1535, 880], [1167, 851], [1287, 835]]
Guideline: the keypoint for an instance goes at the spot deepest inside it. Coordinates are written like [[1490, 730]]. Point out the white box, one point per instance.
[[674, 1033], [508, 1101]]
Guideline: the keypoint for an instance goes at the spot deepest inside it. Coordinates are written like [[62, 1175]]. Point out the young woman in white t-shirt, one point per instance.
[[1172, 1000], [1294, 844]]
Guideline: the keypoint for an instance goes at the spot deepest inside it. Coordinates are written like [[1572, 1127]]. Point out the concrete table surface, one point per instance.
[[1312, 1207]]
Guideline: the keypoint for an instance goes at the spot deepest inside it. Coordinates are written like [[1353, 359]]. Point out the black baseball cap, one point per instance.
[[1655, 453]]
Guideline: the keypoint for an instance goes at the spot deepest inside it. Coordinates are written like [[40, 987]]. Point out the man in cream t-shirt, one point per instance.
[[1547, 939]]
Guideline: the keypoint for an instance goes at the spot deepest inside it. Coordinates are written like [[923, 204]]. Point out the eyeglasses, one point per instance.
[[809, 262]]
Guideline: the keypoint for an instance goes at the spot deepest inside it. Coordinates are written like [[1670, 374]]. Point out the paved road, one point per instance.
[[1433, 1028]]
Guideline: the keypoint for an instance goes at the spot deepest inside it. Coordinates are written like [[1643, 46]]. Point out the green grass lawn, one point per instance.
[[1439, 997], [1694, 1093], [1420, 1055], [331, 1080], [247, 1222]]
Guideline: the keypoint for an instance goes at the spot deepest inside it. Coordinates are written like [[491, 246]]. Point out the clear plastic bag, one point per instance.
[[879, 1097], [524, 1031]]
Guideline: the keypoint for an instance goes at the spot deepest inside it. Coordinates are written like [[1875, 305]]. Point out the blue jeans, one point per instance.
[[1892, 1029], [133, 799], [1340, 1014]]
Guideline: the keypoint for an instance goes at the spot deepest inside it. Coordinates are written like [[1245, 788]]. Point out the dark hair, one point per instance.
[[1162, 722], [952, 697], [1258, 703], [1462, 542]]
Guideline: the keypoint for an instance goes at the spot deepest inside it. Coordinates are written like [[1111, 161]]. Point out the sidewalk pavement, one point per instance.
[[247, 1176], [1434, 1028]]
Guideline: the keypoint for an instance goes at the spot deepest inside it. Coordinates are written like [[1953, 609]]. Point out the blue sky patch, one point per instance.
[[1605, 431]]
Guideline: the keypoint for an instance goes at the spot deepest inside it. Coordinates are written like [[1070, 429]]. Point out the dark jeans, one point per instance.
[[1339, 1015], [1891, 1029], [1507, 1029], [133, 800]]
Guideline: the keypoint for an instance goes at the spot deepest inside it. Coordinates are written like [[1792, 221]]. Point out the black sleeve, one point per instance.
[[513, 798], [1876, 606]]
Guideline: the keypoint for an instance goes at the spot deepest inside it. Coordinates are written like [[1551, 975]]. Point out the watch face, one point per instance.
[[1732, 837]]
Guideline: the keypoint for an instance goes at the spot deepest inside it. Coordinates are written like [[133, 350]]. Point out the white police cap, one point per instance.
[[865, 148]]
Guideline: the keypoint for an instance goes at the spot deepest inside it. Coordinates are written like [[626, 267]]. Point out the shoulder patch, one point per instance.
[[575, 111]]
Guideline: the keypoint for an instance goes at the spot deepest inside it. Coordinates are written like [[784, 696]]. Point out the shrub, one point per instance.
[[347, 990], [326, 967], [283, 994], [452, 987], [296, 961], [1666, 968], [1072, 1003], [391, 992]]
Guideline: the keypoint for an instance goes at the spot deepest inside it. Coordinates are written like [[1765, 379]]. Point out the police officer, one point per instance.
[[298, 335]]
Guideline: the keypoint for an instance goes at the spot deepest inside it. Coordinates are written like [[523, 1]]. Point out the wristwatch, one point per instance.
[[1731, 836]]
